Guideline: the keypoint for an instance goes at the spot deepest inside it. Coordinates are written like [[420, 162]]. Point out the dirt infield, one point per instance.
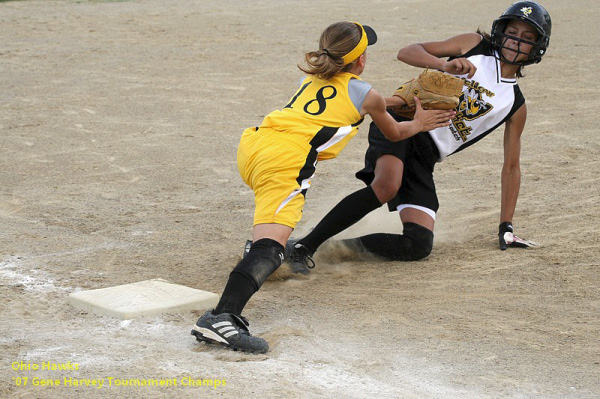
[[119, 123]]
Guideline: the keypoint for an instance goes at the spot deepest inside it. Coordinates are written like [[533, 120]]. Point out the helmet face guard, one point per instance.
[[532, 14]]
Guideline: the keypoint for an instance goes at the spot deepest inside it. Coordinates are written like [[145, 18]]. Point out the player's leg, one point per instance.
[[264, 257], [417, 203], [417, 215], [385, 185], [279, 200], [388, 177], [351, 209], [225, 324], [416, 241]]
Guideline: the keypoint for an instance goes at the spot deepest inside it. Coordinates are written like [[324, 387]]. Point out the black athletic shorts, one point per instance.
[[419, 155]]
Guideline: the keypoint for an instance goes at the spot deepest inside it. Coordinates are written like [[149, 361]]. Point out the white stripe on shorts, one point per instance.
[[305, 185], [421, 208]]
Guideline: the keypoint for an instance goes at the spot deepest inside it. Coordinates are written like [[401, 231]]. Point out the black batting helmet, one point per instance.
[[533, 14]]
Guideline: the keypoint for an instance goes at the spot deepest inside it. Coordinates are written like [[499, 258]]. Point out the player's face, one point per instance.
[[523, 37]]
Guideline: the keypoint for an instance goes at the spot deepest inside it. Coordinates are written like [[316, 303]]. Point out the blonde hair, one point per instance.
[[336, 41]]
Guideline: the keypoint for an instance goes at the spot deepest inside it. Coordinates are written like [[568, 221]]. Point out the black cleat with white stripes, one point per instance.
[[228, 330]]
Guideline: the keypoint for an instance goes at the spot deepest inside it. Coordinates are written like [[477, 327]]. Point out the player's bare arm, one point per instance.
[[511, 181], [433, 54], [511, 169]]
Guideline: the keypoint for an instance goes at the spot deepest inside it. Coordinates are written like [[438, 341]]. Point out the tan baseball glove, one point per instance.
[[435, 89]]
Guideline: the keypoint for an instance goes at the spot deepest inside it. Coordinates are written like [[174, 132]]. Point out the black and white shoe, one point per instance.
[[228, 330], [300, 258]]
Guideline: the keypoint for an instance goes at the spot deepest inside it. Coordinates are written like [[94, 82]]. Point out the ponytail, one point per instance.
[[322, 64], [335, 42]]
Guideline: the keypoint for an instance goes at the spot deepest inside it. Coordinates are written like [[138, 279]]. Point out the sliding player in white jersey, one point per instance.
[[401, 174]]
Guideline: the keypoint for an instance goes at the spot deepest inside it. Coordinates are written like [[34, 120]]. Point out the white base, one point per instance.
[[145, 298]]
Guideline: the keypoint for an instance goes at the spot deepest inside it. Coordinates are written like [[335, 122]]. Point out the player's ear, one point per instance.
[[361, 61]]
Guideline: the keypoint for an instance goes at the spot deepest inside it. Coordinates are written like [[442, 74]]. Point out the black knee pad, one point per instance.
[[264, 258], [421, 238], [416, 243]]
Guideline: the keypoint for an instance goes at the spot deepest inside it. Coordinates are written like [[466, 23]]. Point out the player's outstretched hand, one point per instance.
[[507, 238], [430, 119]]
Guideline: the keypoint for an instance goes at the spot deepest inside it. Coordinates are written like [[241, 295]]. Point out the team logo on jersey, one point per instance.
[[471, 106], [526, 11]]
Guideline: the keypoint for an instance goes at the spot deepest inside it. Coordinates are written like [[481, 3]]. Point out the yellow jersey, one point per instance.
[[321, 113]]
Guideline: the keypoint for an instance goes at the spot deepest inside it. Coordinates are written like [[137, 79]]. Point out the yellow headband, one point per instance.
[[359, 49]]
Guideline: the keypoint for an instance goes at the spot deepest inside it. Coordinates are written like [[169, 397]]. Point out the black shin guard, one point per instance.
[[264, 258], [416, 243], [248, 276], [347, 212]]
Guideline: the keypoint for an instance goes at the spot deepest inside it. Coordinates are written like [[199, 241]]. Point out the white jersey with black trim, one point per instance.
[[487, 101]]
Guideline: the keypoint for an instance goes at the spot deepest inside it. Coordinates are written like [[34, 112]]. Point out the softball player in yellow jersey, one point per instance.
[[277, 160]]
